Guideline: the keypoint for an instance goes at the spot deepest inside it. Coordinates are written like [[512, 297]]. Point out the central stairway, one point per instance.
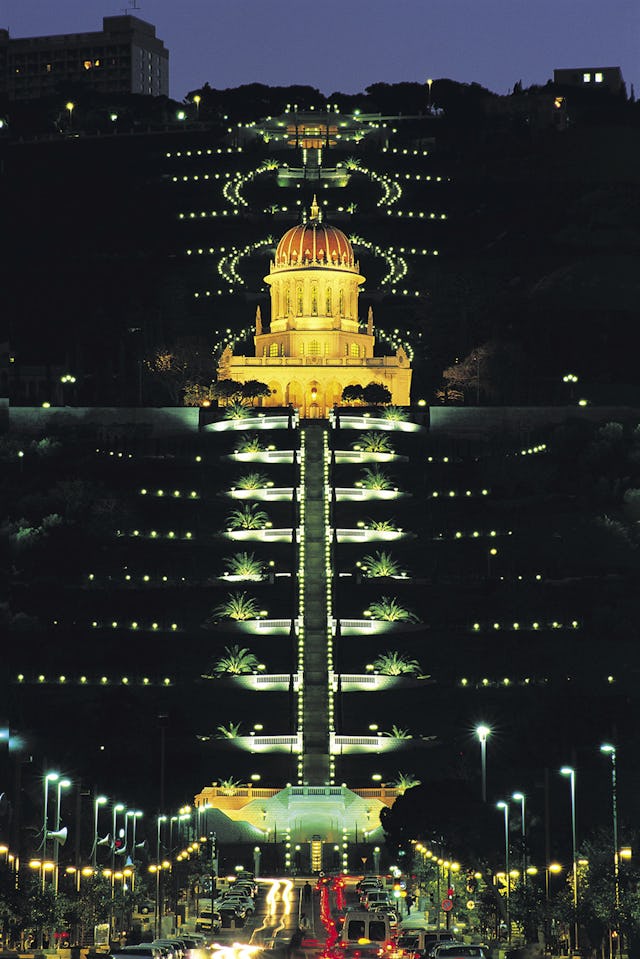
[[316, 692]]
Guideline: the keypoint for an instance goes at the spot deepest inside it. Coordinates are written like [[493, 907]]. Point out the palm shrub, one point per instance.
[[375, 478], [230, 731], [244, 565], [394, 413], [396, 732], [382, 525], [254, 480], [380, 564], [237, 606], [249, 443], [373, 442], [405, 781], [236, 661], [393, 663], [249, 516], [389, 609], [237, 410]]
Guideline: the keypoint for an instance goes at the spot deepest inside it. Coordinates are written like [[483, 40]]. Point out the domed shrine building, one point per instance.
[[314, 347]]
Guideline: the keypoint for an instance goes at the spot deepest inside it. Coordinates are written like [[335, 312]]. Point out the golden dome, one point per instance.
[[314, 243]]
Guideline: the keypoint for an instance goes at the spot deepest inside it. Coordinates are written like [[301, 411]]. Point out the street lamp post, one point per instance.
[[159, 822], [429, 84], [62, 784], [98, 801], [505, 808], [482, 732], [118, 807], [610, 750], [522, 799], [570, 772], [49, 778]]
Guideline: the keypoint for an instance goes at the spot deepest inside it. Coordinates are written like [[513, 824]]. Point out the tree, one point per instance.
[[187, 361], [376, 394], [353, 393], [226, 390], [254, 389]]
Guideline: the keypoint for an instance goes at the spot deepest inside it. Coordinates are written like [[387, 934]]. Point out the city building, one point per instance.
[[593, 77], [314, 347], [124, 57]]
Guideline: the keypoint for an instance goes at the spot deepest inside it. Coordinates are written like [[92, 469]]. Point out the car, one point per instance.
[[416, 943], [459, 950], [174, 949], [246, 902], [145, 950], [375, 898], [208, 920]]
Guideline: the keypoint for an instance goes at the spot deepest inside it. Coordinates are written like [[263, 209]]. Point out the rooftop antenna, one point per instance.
[[132, 5]]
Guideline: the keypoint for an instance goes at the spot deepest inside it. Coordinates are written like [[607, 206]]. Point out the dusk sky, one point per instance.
[[345, 46]]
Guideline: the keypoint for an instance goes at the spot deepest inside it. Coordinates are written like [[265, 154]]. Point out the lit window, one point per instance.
[[299, 301], [328, 309], [314, 348], [598, 78], [586, 78], [314, 300], [354, 350], [273, 349]]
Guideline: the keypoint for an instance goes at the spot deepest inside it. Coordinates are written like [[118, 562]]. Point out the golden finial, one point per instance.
[[315, 209]]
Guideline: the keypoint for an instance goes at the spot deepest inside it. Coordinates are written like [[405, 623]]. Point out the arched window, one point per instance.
[[276, 301], [354, 350], [287, 302], [328, 307], [273, 350], [314, 300], [354, 310], [314, 348], [300, 302], [341, 303]]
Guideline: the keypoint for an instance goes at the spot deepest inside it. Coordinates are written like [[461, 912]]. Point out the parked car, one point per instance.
[[458, 950], [208, 920], [246, 902], [417, 943]]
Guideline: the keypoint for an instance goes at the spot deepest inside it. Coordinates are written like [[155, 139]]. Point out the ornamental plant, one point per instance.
[[249, 443], [405, 781], [249, 516], [244, 565], [254, 480], [395, 413], [393, 663], [373, 441], [389, 610], [230, 731], [375, 478], [380, 564], [396, 732], [236, 661], [237, 606], [236, 410], [382, 525]]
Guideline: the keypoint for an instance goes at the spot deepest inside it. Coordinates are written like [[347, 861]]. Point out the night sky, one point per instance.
[[348, 45]]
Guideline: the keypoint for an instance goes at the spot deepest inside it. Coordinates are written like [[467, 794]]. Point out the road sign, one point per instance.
[[447, 905]]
